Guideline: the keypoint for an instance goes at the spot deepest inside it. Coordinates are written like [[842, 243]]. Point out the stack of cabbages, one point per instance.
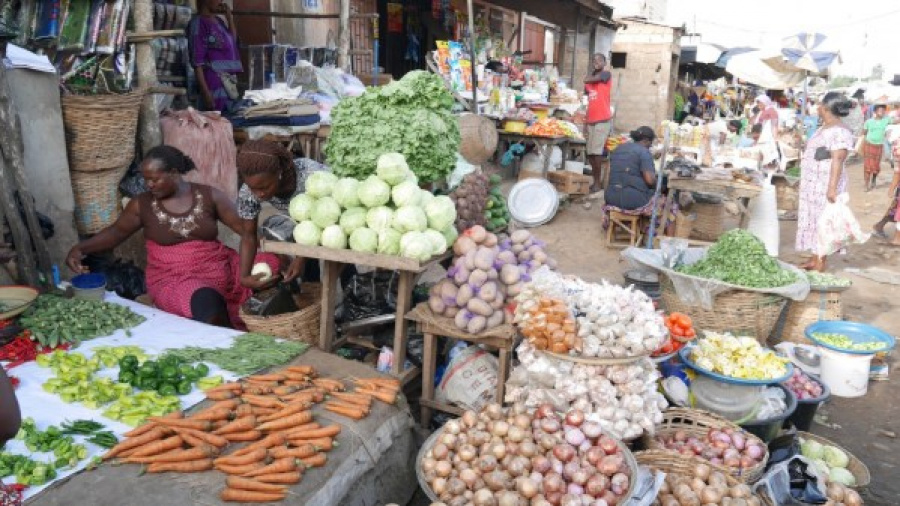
[[387, 213], [487, 273]]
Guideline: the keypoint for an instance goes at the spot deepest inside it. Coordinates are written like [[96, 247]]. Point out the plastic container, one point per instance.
[[856, 332], [728, 400], [89, 286], [845, 374], [769, 428], [802, 417]]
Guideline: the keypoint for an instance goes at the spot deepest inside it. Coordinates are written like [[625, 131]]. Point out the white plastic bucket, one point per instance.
[[575, 166], [845, 374]]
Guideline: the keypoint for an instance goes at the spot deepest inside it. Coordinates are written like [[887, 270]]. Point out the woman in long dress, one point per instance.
[[822, 174]]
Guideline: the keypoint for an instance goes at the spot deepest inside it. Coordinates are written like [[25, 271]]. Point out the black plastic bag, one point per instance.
[[122, 277], [369, 294], [46, 224]]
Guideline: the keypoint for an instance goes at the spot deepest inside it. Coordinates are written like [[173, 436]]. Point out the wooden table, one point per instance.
[[501, 338], [738, 190], [333, 261], [563, 141]]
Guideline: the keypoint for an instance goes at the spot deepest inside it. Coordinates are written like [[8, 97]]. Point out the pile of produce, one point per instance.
[[98, 436], [471, 200], [733, 449], [66, 452], [802, 386], [831, 461], [512, 457], [740, 258], [548, 325], [552, 127], [169, 376], [680, 326], [55, 320], [737, 357], [24, 349], [411, 116], [623, 399], [520, 114], [26, 471], [843, 342], [133, 410], [485, 275], [703, 486], [249, 353], [841, 495], [614, 141], [75, 380], [386, 213], [496, 214], [828, 280]]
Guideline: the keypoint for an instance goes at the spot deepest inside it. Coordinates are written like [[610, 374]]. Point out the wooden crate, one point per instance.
[[570, 182]]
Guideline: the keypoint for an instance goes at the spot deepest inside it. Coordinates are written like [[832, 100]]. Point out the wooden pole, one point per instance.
[[472, 57], [344, 36], [148, 126]]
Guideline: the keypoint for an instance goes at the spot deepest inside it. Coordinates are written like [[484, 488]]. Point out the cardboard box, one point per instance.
[[570, 182]]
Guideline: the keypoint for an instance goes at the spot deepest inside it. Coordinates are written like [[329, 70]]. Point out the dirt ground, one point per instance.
[[867, 426]]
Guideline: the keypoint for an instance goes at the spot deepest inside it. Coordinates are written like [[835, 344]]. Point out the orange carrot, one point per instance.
[[296, 376], [230, 404], [301, 428], [263, 402], [323, 444], [329, 385], [191, 466], [288, 421], [191, 440], [213, 415], [150, 425], [201, 452], [302, 369], [158, 447], [359, 399], [254, 389], [301, 383], [266, 377], [329, 431], [238, 460], [317, 460], [230, 386], [220, 395], [385, 397], [349, 406], [284, 390], [284, 465], [239, 470], [355, 414], [240, 425], [219, 424], [269, 441], [304, 396], [147, 437], [302, 451], [244, 410], [249, 435], [248, 484], [285, 478], [213, 439], [292, 408], [201, 425], [258, 411], [238, 495]]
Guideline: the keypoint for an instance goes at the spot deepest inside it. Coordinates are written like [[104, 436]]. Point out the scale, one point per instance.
[[804, 356]]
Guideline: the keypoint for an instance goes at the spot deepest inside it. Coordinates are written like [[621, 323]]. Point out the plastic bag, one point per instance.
[[838, 228], [123, 277], [794, 482]]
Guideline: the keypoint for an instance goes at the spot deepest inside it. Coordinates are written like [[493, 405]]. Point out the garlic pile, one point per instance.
[[623, 399]]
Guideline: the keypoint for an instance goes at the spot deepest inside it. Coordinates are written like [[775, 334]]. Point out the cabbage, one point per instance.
[[379, 218], [834, 457], [425, 197], [364, 239], [307, 233], [326, 212], [389, 242], [410, 219], [406, 194], [842, 476], [333, 237], [821, 466], [374, 192], [416, 246], [441, 212], [345, 192], [811, 449], [437, 240], [450, 234], [300, 207], [320, 184], [352, 219], [392, 168]]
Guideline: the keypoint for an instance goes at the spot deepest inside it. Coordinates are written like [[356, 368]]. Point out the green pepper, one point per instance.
[[184, 388], [202, 369], [167, 389], [149, 383], [148, 369], [169, 372], [128, 363], [126, 377]]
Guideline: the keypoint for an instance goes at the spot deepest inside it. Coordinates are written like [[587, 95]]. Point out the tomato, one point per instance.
[[690, 333], [685, 321], [678, 330]]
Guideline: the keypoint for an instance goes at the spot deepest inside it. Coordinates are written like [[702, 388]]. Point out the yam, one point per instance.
[[448, 292], [479, 307], [476, 325], [495, 320], [451, 311], [463, 245], [484, 259], [464, 294], [478, 278], [520, 236]]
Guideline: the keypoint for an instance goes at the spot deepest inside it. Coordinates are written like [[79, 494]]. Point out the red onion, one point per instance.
[[595, 454], [574, 436], [576, 490], [550, 425], [540, 464], [580, 476], [585, 446], [440, 451], [564, 452], [528, 448], [754, 451], [556, 465], [591, 429], [609, 465], [732, 462], [575, 417], [608, 444], [544, 411], [739, 441], [522, 421], [553, 483], [680, 435], [547, 442], [747, 462], [553, 498], [569, 470], [597, 485], [610, 498], [487, 463], [619, 484], [527, 487]]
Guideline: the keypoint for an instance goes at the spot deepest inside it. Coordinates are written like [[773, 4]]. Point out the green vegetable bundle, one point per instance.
[[27, 471], [64, 448], [250, 353], [740, 258], [410, 116], [55, 320]]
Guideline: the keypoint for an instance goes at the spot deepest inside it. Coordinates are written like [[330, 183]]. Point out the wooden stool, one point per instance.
[[627, 223]]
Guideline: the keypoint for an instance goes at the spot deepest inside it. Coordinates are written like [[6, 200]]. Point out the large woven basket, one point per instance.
[[819, 305], [97, 199], [708, 225], [787, 195], [302, 325], [697, 423], [677, 464], [743, 313], [478, 138], [100, 130], [856, 467]]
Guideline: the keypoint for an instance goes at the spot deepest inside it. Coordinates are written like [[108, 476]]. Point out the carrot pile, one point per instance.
[[272, 414]]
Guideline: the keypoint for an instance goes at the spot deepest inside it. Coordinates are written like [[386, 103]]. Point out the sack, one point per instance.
[[838, 228], [470, 380], [229, 84]]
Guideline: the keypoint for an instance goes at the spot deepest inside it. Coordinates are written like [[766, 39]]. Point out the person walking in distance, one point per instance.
[[597, 87]]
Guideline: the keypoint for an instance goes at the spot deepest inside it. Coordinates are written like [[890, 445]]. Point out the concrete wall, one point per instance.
[[35, 96], [651, 10], [305, 32], [643, 92]]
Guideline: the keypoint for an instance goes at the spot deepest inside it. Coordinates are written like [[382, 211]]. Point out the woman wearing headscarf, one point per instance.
[[822, 174], [767, 114], [632, 173]]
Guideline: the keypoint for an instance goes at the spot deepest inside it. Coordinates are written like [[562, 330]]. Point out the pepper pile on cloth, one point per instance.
[[22, 349]]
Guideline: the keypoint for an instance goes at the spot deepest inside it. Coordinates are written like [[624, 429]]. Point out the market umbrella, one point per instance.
[[810, 52], [751, 66], [727, 54]]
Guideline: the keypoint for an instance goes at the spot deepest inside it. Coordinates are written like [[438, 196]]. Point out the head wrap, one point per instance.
[[765, 100]]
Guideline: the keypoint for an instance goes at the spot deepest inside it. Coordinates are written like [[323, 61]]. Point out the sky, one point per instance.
[[863, 30]]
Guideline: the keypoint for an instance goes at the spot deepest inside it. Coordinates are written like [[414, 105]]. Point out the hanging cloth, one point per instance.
[[208, 139]]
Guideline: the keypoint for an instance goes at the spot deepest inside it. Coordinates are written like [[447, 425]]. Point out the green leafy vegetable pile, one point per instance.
[[740, 258], [56, 320], [249, 353], [824, 279], [410, 116]]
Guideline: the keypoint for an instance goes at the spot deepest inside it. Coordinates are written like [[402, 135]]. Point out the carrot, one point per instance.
[[157, 447], [385, 397], [359, 399], [329, 385], [323, 444], [302, 451], [300, 428], [248, 484], [256, 455], [350, 406], [297, 376], [220, 395], [285, 478], [230, 386], [230, 404], [191, 466], [390, 382], [147, 437], [240, 425], [297, 382], [238, 495], [263, 402], [304, 396], [258, 411], [317, 460], [239, 470], [288, 421], [355, 414], [213, 415], [219, 424], [284, 465], [289, 410], [213, 439], [302, 369], [284, 390], [254, 389], [249, 435], [200, 452], [244, 410], [269, 441], [329, 431], [266, 377], [143, 429], [201, 425], [191, 440]]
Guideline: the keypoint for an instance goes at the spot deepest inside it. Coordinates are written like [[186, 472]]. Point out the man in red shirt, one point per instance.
[[597, 87]]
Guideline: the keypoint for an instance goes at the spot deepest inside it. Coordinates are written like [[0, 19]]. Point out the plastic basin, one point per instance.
[[802, 417], [89, 286], [769, 428]]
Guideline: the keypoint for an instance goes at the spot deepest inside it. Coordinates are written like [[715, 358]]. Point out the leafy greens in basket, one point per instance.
[[740, 258]]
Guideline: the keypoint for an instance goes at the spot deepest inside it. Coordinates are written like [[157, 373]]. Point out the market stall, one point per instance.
[[723, 185]]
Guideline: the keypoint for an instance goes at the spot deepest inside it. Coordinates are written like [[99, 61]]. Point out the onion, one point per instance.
[[610, 498], [594, 454], [528, 449], [452, 427], [547, 442], [554, 498], [564, 452], [739, 441], [508, 499], [449, 440], [443, 468], [493, 411], [468, 476], [439, 486], [499, 451], [591, 429], [701, 471], [550, 425], [747, 462], [609, 464], [581, 476], [585, 446], [597, 485], [608, 444], [575, 417], [569, 470], [515, 434], [574, 436], [428, 464], [440, 451], [680, 435], [518, 466], [754, 451], [497, 480], [469, 418], [483, 497], [732, 462], [526, 487], [544, 411], [522, 421], [576, 490], [553, 483], [540, 464], [500, 428], [486, 463], [711, 495], [467, 453], [619, 484], [456, 486]]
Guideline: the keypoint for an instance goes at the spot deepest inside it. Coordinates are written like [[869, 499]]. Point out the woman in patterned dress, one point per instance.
[[822, 174], [190, 273]]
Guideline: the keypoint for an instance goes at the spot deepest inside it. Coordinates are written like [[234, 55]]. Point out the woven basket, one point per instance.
[[478, 138], [819, 305], [856, 467], [743, 313], [684, 225], [97, 199], [697, 423], [302, 325], [708, 225], [787, 197], [677, 464], [100, 130]]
